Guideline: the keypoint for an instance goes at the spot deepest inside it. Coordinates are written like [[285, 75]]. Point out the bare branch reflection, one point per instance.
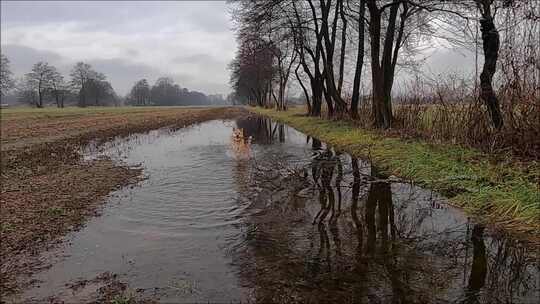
[[335, 230]]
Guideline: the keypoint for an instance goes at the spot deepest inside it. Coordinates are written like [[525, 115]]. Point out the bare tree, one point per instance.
[[329, 30], [491, 43], [318, 31], [304, 90], [265, 34], [140, 93], [6, 76], [359, 61], [40, 77], [26, 92], [309, 48], [97, 87], [252, 71], [285, 56], [80, 76], [58, 87], [384, 57]]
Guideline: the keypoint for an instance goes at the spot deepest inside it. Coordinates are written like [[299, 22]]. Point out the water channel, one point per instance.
[[280, 218]]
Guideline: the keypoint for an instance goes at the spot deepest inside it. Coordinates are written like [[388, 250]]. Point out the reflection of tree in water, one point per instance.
[[347, 236], [477, 278], [263, 130]]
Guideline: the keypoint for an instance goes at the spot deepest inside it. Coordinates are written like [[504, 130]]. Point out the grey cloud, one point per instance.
[[123, 74], [132, 52], [198, 83], [126, 41], [22, 58], [117, 15], [203, 59]]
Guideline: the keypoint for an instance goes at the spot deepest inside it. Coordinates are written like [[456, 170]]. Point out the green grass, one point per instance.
[[507, 193]]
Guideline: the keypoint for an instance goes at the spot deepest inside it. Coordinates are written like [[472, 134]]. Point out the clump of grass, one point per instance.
[[55, 211], [6, 227], [122, 299], [503, 191]]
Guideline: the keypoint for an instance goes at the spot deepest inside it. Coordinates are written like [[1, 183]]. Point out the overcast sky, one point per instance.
[[190, 41]]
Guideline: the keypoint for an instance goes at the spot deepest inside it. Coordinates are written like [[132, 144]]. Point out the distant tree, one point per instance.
[[193, 98], [253, 70], [97, 87], [6, 80], [40, 78], [26, 92], [58, 88], [108, 95], [216, 99], [140, 93], [165, 92], [80, 76], [231, 98], [92, 85]]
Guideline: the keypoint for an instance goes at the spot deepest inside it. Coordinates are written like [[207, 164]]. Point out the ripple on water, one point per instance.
[[289, 220]]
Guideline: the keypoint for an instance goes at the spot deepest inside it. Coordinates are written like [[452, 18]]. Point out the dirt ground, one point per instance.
[[48, 191]]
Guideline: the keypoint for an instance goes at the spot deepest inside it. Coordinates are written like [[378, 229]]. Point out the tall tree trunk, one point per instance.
[[316, 89], [40, 96], [383, 68], [57, 98], [343, 45], [491, 42], [308, 103], [359, 62], [317, 81], [276, 101], [82, 95], [328, 98], [331, 93], [378, 104]]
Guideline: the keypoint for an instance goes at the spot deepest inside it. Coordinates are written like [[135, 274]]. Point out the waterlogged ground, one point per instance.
[[283, 219]]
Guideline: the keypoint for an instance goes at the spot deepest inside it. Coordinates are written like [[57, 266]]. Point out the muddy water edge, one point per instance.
[[48, 191], [282, 219]]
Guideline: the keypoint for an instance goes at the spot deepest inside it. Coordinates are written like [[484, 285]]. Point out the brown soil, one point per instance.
[[48, 191]]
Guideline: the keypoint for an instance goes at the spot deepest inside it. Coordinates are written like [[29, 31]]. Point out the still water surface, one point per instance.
[[283, 219]]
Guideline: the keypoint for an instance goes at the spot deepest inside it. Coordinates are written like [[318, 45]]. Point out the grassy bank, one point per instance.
[[506, 193]]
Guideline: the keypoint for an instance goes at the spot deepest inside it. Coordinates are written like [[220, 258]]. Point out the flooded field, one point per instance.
[[276, 216]]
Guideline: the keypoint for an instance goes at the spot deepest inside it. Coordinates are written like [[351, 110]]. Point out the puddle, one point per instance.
[[282, 219]]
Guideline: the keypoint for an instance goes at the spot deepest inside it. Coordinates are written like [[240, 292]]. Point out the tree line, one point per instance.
[[320, 42], [165, 92], [44, 83], [88, 87]]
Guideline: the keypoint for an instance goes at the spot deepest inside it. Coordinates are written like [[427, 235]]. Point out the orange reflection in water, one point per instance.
[[241, 145]]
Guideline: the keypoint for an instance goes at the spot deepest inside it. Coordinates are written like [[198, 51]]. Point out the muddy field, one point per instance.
[[48, 191]]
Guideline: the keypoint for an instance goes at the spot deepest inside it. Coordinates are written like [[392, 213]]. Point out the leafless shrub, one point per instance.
[[447, 110]]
